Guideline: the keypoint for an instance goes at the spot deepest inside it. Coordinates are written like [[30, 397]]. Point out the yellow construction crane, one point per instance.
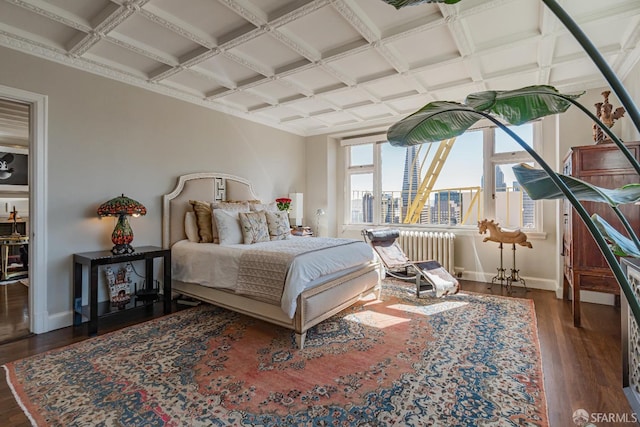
[[429, 180]]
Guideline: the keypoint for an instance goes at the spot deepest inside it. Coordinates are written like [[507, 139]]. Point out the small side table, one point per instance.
[[6, 242], [94, 260]]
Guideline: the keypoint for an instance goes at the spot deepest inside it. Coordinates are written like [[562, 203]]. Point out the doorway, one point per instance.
[[32, 205], [14, 219]]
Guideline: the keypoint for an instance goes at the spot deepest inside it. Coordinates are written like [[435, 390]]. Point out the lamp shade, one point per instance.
[[122, 207], [296, 209]]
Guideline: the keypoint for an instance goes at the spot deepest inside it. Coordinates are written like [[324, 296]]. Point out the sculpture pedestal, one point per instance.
[[514, 277]]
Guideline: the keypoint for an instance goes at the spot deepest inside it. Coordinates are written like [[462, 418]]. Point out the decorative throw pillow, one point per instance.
[[278, 224], [267, 207], [191, 227], [228, 206], [228, 225], [203, 220], [254, 227]]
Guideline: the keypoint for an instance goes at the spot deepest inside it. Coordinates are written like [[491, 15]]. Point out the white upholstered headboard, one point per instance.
[[207, 186]]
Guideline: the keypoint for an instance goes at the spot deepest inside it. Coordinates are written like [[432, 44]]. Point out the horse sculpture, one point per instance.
[[496, 234]]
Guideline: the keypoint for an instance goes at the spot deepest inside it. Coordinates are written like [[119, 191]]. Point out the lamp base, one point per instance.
[[122, 249], [122, 236]]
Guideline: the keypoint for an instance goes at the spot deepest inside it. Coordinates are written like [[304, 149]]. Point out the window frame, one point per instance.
[[490, 161]]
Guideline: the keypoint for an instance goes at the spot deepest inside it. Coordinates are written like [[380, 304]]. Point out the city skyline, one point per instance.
[[461, 170], [445, 206]]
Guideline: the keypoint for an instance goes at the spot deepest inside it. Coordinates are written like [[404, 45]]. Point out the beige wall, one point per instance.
[[322, 183], [107, 138]]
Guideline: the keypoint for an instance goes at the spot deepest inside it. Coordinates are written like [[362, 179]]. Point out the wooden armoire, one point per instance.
[[585, 268]]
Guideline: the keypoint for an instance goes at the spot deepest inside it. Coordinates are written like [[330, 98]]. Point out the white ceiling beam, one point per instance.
[[292, 13], [547, 44], [628, 57], [142, 49], [183, 29]]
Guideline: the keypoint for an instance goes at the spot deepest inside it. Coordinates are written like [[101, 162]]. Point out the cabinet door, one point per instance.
[[586, 249]]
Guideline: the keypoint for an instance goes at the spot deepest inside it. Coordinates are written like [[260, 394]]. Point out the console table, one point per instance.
[[94, 260]]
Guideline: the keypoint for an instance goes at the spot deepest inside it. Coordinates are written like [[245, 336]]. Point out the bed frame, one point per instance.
[[313, 306]]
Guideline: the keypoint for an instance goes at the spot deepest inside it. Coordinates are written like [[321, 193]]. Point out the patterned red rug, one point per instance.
[[468, 359]]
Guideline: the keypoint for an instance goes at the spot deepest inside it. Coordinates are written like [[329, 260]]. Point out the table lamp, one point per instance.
[[122, 235], [296, 209]]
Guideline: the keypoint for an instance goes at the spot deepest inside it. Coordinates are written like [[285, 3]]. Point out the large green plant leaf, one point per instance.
[[432, 123], [521, 105], [402, 3], [619, 243], [538, 185]]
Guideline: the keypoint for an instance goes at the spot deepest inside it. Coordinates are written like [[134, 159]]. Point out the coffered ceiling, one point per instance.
[[318, 66]]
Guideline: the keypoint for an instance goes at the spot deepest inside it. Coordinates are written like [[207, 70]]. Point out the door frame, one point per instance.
[[38, 313]]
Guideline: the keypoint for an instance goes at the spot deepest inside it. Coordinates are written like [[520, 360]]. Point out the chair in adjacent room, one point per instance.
[[428, 275]]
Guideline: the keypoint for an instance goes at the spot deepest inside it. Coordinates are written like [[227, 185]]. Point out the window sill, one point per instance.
[[457, 230]]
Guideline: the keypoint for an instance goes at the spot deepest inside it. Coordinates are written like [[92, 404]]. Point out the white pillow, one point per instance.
[[191, 227], [267, 207], [228, 224], [228, 206]]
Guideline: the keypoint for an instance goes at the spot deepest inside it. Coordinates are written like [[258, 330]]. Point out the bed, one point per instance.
[[311, 298]]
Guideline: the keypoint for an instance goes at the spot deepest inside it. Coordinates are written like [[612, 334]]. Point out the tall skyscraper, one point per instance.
[[446, 207], [367, 207], [500, 184], [528, 206], [410, 178], [390, 214]]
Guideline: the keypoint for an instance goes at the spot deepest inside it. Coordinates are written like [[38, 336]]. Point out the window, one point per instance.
[[453, 183]]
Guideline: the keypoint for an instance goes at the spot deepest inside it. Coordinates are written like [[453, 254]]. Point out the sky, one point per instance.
[[462, 168]]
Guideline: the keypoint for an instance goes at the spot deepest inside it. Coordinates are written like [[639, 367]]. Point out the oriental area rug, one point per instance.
[[466, 360]]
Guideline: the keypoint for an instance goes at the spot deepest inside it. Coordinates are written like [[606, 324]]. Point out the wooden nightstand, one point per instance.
[[142, 298]]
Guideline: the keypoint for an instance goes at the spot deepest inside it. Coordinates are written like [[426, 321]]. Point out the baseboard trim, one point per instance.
[[531, 282], [60, 320]]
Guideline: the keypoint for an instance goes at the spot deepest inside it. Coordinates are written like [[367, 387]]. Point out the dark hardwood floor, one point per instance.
[[582, 366], [14, 311]]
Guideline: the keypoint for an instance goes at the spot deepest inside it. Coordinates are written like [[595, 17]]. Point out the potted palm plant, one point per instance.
[[440, 120]]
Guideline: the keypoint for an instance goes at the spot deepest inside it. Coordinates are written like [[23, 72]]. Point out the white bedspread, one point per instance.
[[217, 266]]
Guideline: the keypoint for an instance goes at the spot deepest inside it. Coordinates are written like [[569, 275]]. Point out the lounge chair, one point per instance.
[[428, 275]]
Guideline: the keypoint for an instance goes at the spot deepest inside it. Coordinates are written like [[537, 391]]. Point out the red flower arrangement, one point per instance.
[[283, 203]]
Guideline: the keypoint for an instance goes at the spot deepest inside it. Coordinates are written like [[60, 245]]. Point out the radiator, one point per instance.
[[428, 245]]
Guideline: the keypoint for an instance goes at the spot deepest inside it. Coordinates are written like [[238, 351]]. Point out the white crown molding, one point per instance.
[[51, 12], [104, 71], [29, 46]]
